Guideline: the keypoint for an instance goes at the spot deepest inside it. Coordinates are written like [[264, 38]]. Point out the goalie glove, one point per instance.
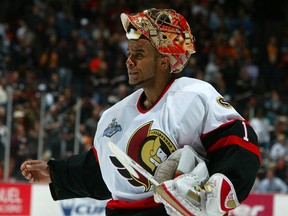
[[222, 197], [168, 167], [182, 161], [192, 194], [170, 192]]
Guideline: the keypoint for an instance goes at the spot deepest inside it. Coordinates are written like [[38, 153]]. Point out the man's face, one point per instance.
[[142, 63]]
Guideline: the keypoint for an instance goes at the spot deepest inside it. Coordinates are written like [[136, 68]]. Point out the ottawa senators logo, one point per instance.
[[221, 101], [149, 148]]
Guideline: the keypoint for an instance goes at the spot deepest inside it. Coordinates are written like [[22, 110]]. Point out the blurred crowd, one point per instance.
[[55, 53]]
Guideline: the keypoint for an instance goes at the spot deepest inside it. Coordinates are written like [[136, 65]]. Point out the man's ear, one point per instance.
[[165, 62]]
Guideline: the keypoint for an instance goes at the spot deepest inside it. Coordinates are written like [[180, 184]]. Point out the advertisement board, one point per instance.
[[35, 200], [255, 205], [15, 199]]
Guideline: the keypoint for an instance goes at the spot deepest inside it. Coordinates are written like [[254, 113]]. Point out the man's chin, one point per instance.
[[133, 83]]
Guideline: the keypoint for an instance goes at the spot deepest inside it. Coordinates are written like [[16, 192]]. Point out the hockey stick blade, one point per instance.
[[130, 164]]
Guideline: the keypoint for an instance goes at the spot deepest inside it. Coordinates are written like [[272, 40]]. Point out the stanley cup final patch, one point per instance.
[[112, 128], [222, 102]]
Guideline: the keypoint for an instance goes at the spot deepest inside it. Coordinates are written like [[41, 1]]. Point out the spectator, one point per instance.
[[3, 94], [19, 148], [279, 148], [262, 128], [281, 125], [52, 125], [281, 169], [251, 69], [273, 102], [257, 185], [259, 177], [272, 184], [90, 123], [271, 69], [3, 133]]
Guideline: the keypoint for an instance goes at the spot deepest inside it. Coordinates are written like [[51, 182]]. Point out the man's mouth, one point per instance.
[[133, 74]]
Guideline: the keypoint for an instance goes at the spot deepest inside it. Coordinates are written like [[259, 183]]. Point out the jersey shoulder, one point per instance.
[[128, 101], [196, 86]]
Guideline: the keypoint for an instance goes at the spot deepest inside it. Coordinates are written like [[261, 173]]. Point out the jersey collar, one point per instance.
[[142, 97]]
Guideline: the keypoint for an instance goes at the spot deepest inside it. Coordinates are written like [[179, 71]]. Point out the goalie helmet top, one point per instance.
[[168, 31]]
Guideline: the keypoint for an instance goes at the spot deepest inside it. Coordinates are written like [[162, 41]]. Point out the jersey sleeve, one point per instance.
[[77, 176], [230, 143], [232, 149]]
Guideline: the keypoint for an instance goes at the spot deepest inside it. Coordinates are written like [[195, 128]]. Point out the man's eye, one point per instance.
[[139, 55]]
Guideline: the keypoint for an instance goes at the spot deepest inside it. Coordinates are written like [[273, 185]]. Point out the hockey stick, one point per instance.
[[132, 165]]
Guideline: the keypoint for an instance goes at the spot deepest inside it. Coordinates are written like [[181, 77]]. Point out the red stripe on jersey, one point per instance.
[[140, 204], [234, 140], [95, 154], [221, 126]]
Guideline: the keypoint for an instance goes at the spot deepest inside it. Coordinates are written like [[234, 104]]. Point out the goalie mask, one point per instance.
[[168, 32]]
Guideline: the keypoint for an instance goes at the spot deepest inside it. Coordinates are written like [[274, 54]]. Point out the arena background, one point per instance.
[[62, 63]]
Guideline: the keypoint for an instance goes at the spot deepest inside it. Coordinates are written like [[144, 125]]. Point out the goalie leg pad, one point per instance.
[[183, 195], [192, 194], [174, 202]]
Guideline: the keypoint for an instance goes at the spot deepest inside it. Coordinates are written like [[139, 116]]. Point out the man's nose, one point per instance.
[[130, 62]]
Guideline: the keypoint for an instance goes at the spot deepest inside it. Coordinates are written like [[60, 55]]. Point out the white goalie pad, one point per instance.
[[187, 195], [223, 197], [184, 194]]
